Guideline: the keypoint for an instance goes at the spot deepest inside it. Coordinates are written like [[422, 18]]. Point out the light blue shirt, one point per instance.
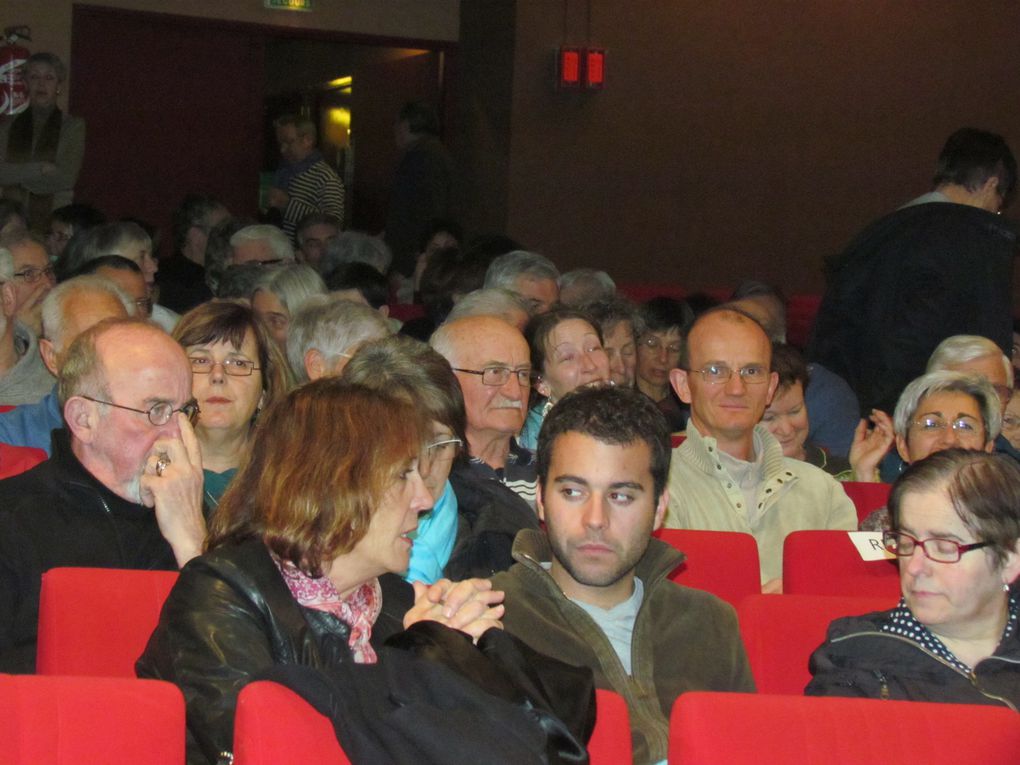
[[433, 542]]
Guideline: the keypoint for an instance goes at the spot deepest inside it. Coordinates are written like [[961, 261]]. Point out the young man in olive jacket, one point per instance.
[[593, 590]]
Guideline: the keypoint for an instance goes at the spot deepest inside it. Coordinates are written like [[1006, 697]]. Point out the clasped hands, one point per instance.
[[471, 606]]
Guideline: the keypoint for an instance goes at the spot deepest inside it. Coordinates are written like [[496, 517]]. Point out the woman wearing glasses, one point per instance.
[[939, 410], [301, 555], [955, 635], [566, 353], [469, 531], [237, 370]]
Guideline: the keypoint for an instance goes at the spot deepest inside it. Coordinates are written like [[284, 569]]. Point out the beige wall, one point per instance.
[[50, 20]]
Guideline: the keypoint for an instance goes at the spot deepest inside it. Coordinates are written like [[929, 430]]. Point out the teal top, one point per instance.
[[215, 484]]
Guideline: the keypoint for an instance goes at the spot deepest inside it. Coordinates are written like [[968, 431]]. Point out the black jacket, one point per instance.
[[907, 282], [58, 514], [858, 659], [489, 515], [230, 617]]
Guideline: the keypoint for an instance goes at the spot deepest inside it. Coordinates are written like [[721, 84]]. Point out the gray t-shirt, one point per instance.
[[618, 622]]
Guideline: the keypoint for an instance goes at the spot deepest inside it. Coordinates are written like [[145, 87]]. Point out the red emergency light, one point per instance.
[[570, 68], [594, 68]]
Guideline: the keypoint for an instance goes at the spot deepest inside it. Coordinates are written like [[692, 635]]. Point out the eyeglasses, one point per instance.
[[933, 423], [752, 374], [32, 275], [202, 365], [1010, 421], [655, 345], [939, 550], [158, 414], [498, 375], [442, 451]]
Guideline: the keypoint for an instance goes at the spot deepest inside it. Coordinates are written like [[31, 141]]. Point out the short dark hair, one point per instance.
[[539, 328], [420, 117], [116, 262], [789, 364], [661, 314], [983, 488], [194, 210], [362, 277], [970, 157], [51, 60], [79, 216], [303, 125], [612, 415], [609, 313]]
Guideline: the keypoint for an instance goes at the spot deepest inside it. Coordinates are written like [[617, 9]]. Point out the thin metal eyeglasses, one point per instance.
[[158, 414], [940, 550], [752, 374], [654, 344], [201, 365], [498, 375], [32, 275], [930, 423], [443, 451]]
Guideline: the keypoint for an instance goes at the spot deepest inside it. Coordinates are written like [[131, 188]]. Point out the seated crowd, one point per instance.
[[333, 482]]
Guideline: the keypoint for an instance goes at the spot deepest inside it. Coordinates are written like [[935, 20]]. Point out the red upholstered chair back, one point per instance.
[[827, 563], [867, 496], [74, 720], [800, 318], [781, 631], [15, 460], [725, 563], [757, 729], [97, 621], [275, 726]]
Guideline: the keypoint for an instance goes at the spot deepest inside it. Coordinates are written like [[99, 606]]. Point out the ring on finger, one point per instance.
[[161, 464]]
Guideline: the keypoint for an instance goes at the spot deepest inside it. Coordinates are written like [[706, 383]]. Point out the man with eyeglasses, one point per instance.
[[23, 377], [69, 309], [730, 474], [33, 276], [493, 366], [123, 487]]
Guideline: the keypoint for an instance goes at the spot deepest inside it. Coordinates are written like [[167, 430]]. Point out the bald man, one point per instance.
[[730, 473]]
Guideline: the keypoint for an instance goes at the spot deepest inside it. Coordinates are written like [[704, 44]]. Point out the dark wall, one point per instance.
[[735, 137]]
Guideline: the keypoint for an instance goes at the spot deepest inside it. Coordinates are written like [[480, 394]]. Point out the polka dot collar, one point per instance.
[[903, 623]]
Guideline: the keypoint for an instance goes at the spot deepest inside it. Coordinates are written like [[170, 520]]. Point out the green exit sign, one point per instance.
[[289, 5]]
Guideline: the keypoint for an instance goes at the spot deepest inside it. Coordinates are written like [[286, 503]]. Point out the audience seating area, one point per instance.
[[759, 729], [275, 726], [56, 720], [77, 608], [723, 562], [827, 563], [76, 720], [781, 631]]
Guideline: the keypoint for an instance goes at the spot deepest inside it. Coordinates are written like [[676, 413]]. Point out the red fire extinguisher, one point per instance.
[[13, 87]]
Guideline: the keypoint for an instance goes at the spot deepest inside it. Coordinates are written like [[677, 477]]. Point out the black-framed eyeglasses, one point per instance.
[[752, 374], [31, 275], [202, 365], [158, 414], [940, 550], [498, 375]]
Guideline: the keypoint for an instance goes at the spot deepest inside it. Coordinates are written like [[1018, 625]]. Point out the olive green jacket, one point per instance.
[[684, 639]]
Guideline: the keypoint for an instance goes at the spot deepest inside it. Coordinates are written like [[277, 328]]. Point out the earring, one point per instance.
[[1005, 586]]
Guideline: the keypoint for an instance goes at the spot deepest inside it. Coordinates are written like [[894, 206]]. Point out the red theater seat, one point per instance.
[[827, 563], [781, 631], [724, 563], [867, 497], [758, 729], [275, 726], [75, 720], [97, 621]]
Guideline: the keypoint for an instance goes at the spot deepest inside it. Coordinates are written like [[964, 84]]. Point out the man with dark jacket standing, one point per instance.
[[942, 265], [123, 487], [593, 590]]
